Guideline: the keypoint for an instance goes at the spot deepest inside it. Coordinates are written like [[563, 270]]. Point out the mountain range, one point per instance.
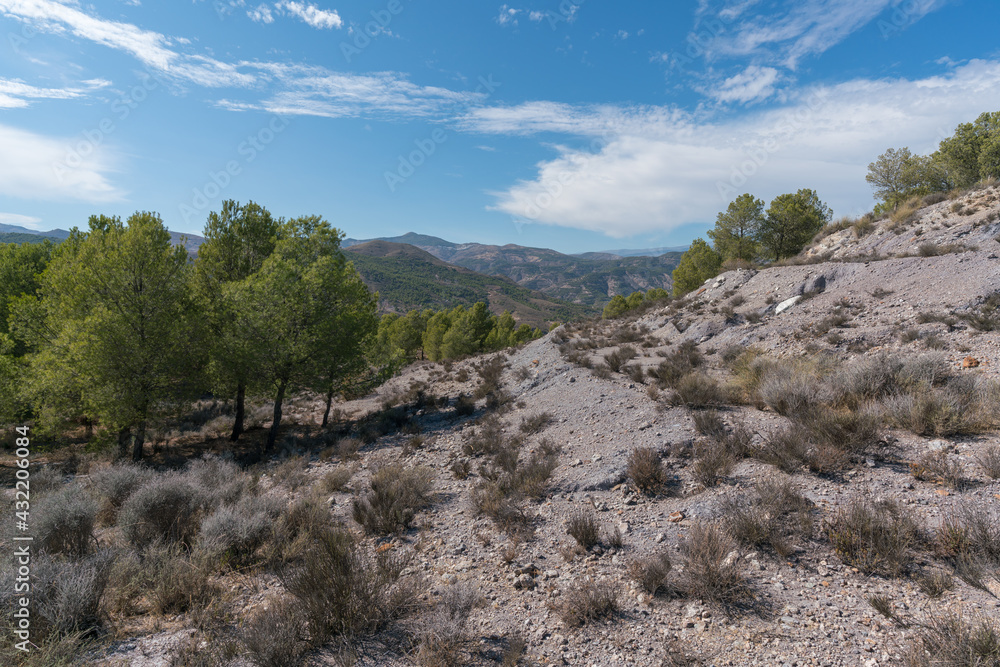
[[589, 280]]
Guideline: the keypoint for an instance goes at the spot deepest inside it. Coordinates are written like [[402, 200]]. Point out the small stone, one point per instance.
[[659, 538]]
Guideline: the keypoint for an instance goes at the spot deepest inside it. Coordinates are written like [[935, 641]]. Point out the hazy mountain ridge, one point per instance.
[[408, 277], [587, 280]]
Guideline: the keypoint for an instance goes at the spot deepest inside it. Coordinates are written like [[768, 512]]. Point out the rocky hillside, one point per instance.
[[792, 466]]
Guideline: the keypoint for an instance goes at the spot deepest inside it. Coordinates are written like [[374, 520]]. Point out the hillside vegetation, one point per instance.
[[408, 278], [580, 280]]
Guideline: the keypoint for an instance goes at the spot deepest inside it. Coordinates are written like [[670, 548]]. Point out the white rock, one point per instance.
[[787, 303]]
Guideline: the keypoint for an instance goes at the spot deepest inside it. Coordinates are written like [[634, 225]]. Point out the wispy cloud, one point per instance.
[[792, 30], [30, 169], [150, 48], [507, 15], [654, 169], [322, 19], [753, 84], [317, 91], [15, 94], [261, 14]]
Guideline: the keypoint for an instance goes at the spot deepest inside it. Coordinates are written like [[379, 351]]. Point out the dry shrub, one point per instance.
[[490, 376], [337, 479], [63, 521], [697, 390], [65, 595], [939, 467], [877, 537], [770, 516], [343, 591], [505, 510], [936, 583], [273, 637], [167, 508], [652, 573], [712, 462], [582, 526], [789, 390], [711, 566], [232, 534], [989, 461], [952, 641], [174, 582], [645, 469], [616, 359], [590, 601], [676, 365], [116, 483], [535, 423], [395, 495], [442, 632], [709, 423]]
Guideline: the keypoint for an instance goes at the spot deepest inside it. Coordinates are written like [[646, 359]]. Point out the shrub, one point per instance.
[[64, 521], [175, 584], [709, 423], [615, 360], [336, 479], [273, 636], [218, 480], [590, 601], [972, 532], [396, 494], [939, 467], [166, 509], [788, 390], [651, 573], [769, 516], [989, 461], [711, 566], [490, 374], [877, 537], [645, 469], [697, 390], [488, 439], [713, 460], [116, 483], [442, 632], [343, 591], [677, 364], [535, 423], [636, 373], [935, 584], [233, 533], [582, 527], [464, 406], [953, 641], [490, 499], [531, 478], [66, 596]]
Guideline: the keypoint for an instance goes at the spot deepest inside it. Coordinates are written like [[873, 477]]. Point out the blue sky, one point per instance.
[[573, 124]]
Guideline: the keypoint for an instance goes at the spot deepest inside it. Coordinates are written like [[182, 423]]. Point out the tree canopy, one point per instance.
[[737, 229], [792, 221], [697, 265]]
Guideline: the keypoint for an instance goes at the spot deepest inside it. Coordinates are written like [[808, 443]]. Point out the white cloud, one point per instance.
[[794, 30], [150, 48], [39, 167], [317, 91], [28, 221], [622, 35], [508, 15], [659, 168], [322, 19], [261, 14], [752, 84], [536, 16], [15, 94]]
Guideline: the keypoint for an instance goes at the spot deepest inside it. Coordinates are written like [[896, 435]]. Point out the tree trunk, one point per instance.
[[329, 402], [272, 437], [138, 438], [241, 396], [88, 429], [124, 435]]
